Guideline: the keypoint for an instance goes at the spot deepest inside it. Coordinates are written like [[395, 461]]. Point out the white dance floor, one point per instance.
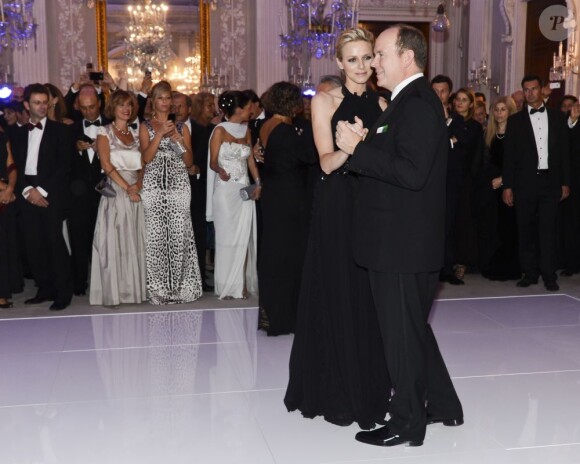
[[203, 386]]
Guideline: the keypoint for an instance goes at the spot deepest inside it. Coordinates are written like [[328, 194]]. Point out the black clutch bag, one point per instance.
[[105, 188]]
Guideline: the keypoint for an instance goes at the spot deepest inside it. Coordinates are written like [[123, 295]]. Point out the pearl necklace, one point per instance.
[[123, 132]]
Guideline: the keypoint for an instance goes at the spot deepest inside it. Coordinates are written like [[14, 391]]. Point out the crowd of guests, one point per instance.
[[96, 193], [512, 213], [125, 196]]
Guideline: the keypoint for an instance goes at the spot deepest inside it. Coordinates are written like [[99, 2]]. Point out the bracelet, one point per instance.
[[258, 182], [107, 173]]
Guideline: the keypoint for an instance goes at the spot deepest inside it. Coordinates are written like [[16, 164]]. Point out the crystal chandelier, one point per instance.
[[187, 79], [313, 28], [17, 25], [148, 45]]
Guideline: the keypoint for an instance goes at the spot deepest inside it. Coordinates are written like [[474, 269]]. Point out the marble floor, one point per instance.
[[201, 385]]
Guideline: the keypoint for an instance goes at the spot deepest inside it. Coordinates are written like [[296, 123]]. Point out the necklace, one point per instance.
[[500, 136], [123, 132]]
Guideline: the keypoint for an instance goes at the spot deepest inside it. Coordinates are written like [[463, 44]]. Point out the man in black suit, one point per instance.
[[200, 129], [85, 174], [399, 225], [43, 152], [536, 177]]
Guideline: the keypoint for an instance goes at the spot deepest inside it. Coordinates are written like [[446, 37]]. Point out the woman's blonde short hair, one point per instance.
[[353, 35]]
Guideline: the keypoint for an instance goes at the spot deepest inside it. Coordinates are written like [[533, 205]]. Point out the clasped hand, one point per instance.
[[349, 135]]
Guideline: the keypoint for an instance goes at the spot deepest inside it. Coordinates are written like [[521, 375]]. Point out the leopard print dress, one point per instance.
[[172, 269]]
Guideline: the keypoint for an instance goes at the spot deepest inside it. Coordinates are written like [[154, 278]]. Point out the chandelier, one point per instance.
[[187, 79], [17, 25], [313, 28], [148, 45]]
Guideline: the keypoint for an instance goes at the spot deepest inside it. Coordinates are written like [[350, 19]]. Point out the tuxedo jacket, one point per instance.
[[84, 173], [54, 162], [520, 169], [399, 214]]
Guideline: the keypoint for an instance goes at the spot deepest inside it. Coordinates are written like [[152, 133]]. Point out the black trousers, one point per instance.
[[197, 208], [416, 367], [536, 215], [81, 228], [47, 252]]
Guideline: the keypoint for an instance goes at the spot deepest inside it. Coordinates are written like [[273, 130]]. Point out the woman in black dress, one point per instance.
[[337, 365], [10, 271], [460, 234], [497, 228], [285, 208]]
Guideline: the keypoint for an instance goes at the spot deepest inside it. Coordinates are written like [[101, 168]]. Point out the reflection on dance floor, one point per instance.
[[206, 387]]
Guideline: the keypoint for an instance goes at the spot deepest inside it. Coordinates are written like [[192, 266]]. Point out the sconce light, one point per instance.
[[441, 22]]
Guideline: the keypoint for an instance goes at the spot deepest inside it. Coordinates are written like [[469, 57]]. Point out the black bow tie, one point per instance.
[[133, 126], [541, 109], [34, 126], [94, 123]]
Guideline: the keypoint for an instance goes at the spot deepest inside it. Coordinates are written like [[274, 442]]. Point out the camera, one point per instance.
[[96, 76], [171, 117]]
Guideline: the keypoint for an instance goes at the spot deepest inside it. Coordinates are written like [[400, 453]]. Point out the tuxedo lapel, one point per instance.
[[530, 130], [392, 106]]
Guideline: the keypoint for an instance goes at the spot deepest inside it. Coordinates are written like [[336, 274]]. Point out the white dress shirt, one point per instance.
[[34, 139], [91, 132], [540, 125]]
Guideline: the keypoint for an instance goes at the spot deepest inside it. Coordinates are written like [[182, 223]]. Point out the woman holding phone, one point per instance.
[[172, 269]]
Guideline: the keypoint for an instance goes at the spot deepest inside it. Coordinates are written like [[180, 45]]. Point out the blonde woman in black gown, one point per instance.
[[337, 365]]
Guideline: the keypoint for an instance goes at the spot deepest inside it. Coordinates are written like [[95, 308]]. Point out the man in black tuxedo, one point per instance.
[[200, 131], [85, 174], [536, 177], [399, 226], [43, 151]]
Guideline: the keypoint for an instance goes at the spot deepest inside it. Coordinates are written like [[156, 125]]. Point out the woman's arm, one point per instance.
[[215, 143], [322, 111], [104, 151], [149, 147], [253, 168], [186, 139]]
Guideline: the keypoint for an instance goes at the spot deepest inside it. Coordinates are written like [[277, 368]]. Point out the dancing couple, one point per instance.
[[363, 345]]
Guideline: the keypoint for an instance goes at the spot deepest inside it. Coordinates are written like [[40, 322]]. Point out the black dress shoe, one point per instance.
[[567, 273], [58, 306], [384, 437], [36, 300], [526, 282], [6, 305], [447, 422], [552, 286], [80, 292], [207, 288]]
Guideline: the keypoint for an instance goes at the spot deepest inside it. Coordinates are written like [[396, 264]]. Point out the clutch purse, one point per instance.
[[105, 188], [246, 192]]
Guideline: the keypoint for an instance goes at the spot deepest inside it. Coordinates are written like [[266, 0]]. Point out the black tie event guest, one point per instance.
[[570, 209], [70, 98], [172, 270], [85, 175], [43, 151], [234, 215], [285, 208], [536, 177], [497, 228], [203, 111], [181, 106], [337, 366], [57, 110], [118, 272], [399, 230], [443, 86], [465, 138], [10, 270]]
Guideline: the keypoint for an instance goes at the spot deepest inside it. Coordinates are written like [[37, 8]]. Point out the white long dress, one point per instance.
[[234, 221]]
